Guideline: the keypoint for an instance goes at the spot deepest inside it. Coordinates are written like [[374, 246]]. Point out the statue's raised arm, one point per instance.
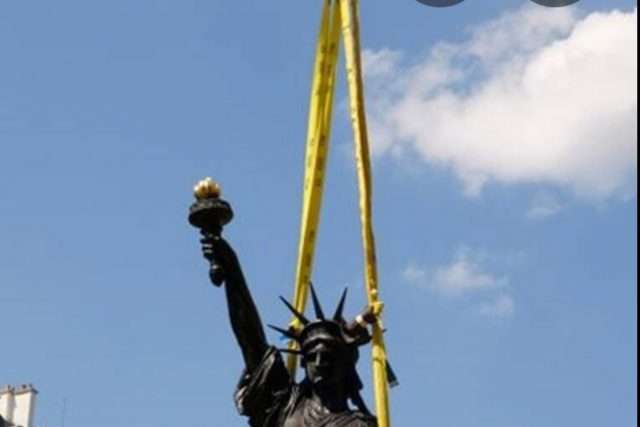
[[243, 314], [210, 213]]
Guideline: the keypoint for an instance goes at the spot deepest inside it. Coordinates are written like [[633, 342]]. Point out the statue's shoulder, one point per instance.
[[354, 419], [364, 420]]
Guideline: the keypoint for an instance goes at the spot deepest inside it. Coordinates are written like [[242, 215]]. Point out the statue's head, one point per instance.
[[327, 357], [329, 352]]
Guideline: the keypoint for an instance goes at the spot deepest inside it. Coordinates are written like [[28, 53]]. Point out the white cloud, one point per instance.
[[415, 275], [463, 275], [538, 95], [544, 205], [466, 275], [502, 306]]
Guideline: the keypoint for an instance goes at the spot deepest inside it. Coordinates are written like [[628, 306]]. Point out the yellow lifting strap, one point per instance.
[[339, 16]]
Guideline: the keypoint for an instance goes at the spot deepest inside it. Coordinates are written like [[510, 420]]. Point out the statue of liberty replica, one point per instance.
[[329, 394]]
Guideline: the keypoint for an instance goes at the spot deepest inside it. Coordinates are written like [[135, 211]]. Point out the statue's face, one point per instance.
[[324, 363]]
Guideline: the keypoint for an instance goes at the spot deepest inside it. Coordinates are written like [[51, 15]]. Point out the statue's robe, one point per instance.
[[269, 398]]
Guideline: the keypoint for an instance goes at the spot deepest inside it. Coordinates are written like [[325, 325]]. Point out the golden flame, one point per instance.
[[206, 189]]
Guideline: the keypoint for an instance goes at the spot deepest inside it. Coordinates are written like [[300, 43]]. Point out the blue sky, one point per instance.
[[505, 149]]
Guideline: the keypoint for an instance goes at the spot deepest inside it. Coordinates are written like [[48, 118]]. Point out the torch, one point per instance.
[[210, 214]]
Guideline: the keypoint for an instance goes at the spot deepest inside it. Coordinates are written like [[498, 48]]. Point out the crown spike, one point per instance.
[[338, 316], [285, 332], [316, 303], [295, 312]]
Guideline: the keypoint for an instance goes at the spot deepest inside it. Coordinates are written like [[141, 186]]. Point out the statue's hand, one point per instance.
[[207, 247], [216, 248], [367, 316], [221, 256]]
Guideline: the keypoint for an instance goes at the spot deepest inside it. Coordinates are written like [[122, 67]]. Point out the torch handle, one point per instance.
[[216, 272]]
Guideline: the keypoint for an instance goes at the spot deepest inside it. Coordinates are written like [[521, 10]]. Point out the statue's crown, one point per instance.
[[331, 330]]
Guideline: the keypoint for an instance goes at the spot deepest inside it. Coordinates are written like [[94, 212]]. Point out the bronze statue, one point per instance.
[[266, 393]]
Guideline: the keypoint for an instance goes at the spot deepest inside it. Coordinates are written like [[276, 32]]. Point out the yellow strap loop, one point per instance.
[[351, 36], [340, 16], [320, 114]]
